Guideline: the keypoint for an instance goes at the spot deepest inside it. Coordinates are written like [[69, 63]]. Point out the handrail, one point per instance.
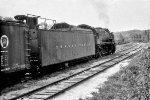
[[33, 15]]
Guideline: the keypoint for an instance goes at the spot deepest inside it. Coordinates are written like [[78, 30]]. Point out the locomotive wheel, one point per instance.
[[108, 49], [66, 64], [97, 54], [100, 54], [103, 52], [111, 49]]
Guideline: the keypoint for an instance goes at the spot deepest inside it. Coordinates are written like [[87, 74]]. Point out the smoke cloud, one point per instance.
[[101, 7]]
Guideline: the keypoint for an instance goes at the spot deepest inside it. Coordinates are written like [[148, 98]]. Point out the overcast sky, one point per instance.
[[117, 15]]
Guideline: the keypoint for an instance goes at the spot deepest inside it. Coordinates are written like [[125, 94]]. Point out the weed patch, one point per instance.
[[131, 83]]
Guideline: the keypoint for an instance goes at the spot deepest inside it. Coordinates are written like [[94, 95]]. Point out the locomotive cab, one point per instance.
[[32, 22]]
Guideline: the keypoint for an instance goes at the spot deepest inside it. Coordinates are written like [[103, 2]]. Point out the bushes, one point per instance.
[[131, 83]]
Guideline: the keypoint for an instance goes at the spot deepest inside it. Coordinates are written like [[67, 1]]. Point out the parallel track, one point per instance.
[[126, 48], [53, 89]]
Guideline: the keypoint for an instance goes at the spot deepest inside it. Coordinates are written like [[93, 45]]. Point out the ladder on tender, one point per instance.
[[27, 49]]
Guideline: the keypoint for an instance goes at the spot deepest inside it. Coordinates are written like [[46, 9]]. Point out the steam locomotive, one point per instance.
[[25, 46]]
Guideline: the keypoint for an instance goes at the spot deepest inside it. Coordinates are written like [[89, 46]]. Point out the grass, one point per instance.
[[131, 83]]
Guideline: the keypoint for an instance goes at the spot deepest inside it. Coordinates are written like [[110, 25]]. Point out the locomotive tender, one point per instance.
[[25, 46]]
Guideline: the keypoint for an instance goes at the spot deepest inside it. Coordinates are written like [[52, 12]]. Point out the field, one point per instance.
[[131, 83]]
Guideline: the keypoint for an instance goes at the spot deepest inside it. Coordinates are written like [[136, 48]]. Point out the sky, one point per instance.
[[117, 15]]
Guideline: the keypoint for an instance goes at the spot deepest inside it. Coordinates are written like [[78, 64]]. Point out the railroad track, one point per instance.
[[126, 48], [53, 89], [27, 76]]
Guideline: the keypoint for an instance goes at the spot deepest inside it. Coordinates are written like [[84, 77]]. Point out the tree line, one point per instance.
[[132, 36]]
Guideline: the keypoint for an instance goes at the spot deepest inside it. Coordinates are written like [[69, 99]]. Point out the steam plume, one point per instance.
[[101, 7]]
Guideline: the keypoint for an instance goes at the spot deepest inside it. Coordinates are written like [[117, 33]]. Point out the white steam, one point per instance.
[[102, 9]]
